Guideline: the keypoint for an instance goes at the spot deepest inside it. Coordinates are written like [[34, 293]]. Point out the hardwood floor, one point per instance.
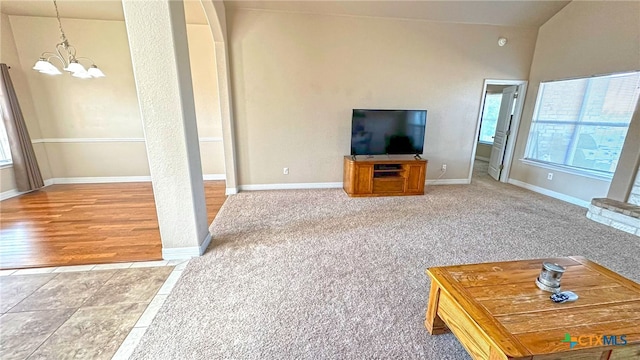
[[86, 224]]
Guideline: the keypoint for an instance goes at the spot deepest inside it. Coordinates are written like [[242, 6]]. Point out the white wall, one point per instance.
[[634, 197], [483, 151], [92, 128], [296, 77], [205, 91], [9, 56], [7, 180], [585, 38]]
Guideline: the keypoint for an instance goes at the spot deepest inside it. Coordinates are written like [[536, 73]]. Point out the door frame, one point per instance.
[[515, 124]]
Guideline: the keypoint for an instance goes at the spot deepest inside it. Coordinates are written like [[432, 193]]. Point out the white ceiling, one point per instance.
[[89, 9], [504, 12]]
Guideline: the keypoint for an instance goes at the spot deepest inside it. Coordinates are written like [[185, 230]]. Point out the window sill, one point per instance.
[[4, 165], [485, 142], [568, 170]]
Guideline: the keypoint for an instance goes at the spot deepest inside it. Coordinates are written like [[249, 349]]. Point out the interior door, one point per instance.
[[502, 131]]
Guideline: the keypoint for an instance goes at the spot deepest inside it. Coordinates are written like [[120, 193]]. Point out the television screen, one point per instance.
[[379, 132]]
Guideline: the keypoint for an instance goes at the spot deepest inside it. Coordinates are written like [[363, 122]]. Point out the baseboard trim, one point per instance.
[[119, 179], [11, 193], [550, 193], [210, 139], [482, 158], [334, 185], [291, 186], [205, 244], [228, 191], [103, 140], [186, 252], [214, 177], [101, 180], [448, 182], [14, 192]]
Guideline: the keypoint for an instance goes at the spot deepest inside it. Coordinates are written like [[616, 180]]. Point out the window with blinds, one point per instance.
[[582, 123]]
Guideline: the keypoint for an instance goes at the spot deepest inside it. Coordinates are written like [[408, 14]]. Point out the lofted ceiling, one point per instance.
[[503, 12], [89, 9], [529, 13]]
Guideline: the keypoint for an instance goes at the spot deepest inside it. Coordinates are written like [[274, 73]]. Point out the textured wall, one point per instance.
[[158, 39], [634, 197], [74, 111], [583, 39], [7, 180], [9, 56], [625, 178], [296, 78], [483, 150]]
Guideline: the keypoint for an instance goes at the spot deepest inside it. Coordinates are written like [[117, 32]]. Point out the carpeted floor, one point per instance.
[[313, 274]]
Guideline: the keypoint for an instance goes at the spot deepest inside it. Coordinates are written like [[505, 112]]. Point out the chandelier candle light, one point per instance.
[[66, 54]]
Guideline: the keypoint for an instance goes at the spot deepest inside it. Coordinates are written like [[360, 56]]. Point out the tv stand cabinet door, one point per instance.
[[415, 178], [363, 183]]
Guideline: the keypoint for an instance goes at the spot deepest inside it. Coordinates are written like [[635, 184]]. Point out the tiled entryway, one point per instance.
[[82, 312]]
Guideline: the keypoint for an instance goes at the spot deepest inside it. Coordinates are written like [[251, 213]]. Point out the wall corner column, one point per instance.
[[627, 168], [216, 16], [160, 56], [224, 91]]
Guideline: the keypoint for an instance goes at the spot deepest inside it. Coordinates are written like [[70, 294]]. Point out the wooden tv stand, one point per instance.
[[392, 176]]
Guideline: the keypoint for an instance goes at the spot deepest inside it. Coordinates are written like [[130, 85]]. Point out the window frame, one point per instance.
[[482, 118], [595, 174]]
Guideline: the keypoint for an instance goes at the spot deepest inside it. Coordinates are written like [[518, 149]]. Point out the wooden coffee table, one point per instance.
[[497, 312]]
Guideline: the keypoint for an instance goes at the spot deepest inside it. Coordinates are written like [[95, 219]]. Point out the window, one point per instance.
[[582, 123], [5, 153], [490, 117]]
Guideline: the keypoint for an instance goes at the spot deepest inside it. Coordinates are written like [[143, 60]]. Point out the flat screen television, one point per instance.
[[380, 132]]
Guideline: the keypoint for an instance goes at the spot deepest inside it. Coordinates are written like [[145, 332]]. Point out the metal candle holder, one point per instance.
[[549, 278]]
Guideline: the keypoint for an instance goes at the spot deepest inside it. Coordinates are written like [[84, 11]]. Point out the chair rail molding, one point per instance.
[[102, 140]]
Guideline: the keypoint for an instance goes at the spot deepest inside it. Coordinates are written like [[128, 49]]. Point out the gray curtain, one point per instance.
[[25, 164]]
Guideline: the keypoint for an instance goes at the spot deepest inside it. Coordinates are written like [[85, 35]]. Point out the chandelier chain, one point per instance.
[[63, 36], [66, 55]]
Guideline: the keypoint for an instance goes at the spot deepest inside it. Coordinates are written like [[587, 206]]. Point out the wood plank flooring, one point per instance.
[[86, 224]]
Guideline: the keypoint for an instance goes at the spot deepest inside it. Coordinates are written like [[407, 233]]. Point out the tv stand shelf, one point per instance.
[[400, 175]]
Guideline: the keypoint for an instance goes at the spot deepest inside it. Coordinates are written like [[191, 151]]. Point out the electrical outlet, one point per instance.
[[550, 176], [444, 167], [285, 171]]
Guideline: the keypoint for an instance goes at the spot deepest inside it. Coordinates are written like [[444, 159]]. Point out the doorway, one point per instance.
[[498, 120]]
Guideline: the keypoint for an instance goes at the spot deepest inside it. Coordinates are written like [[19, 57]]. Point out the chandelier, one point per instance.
[[66, 54]]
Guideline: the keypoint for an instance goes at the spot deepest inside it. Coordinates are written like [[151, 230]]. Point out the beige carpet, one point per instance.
[[317, 275]]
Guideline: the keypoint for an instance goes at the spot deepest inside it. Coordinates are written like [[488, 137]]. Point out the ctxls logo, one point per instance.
[[594, 340], [573, 341]]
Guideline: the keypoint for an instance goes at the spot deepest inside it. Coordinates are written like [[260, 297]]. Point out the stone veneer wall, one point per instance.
[[634, 197], [619, 215]]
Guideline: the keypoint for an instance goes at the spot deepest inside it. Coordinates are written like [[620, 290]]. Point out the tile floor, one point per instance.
[[81, 312]]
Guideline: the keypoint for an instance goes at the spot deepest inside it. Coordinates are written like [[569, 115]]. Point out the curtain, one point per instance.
[[25, 164]]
